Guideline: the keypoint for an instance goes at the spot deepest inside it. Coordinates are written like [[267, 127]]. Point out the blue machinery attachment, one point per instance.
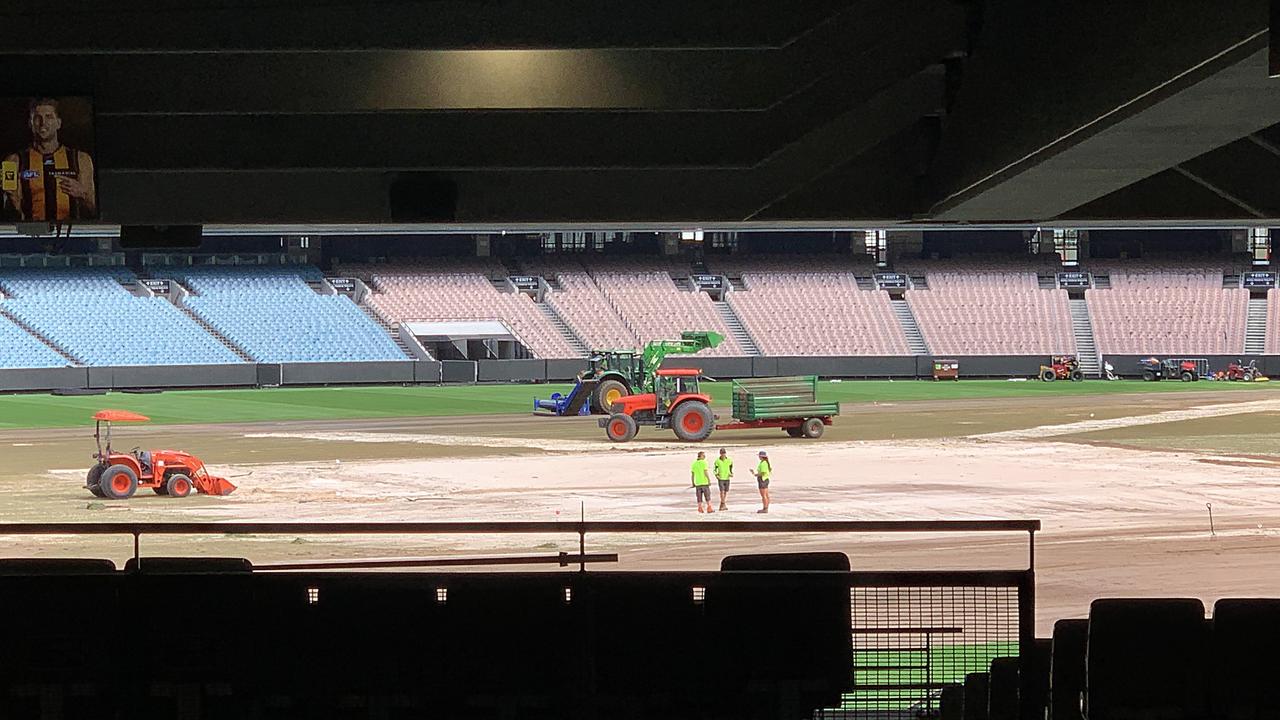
[[576, 402]]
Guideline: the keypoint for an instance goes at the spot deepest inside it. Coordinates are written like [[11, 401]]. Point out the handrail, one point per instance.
[[579, 527], [516, 527]]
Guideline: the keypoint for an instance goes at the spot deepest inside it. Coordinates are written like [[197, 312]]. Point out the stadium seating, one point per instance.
[[274, 316], [1146, 659], [654, 308], [1169, 313], [20, 349], [88, 314], [816, 314], [992, 314], [460, 291], [1273, 322], [1246, 633], [581, 304]]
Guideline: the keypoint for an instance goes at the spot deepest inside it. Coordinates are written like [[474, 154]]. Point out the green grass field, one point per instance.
[[276, 404], [942, 664]]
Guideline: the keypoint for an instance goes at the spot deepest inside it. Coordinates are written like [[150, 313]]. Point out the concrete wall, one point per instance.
[[347, 373], [533, 370], [44, 378]]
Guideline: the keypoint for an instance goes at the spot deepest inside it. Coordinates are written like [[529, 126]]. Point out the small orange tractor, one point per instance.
[[117, 475], [1062, 367]]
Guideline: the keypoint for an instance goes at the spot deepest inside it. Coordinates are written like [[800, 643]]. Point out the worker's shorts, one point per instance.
[[703, 492], [762, 483], [724, 486]]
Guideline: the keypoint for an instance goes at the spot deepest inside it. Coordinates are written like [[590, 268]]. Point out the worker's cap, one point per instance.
[[723, 451], [763, 454]]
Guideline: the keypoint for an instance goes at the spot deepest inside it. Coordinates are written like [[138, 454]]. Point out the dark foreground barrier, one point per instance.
[[767, 636]]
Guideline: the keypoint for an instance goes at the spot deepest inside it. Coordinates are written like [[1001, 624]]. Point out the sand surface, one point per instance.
[[1117, 520]]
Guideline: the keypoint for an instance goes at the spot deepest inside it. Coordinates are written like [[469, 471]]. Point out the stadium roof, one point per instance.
[[715, 112]]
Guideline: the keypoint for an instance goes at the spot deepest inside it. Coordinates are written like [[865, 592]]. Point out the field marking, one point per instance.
[[1082, 426]]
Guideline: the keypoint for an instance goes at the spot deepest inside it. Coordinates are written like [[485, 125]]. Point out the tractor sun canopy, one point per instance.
[[119, 416]]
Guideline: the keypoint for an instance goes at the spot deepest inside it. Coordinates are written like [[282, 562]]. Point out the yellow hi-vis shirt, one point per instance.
[[699, 470], [724, 467], [763, 470]]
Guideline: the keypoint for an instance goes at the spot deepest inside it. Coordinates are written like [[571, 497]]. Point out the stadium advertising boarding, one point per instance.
[[47, 154]]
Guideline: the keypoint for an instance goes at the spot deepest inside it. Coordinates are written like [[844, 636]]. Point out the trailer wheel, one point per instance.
[[1077, 376], [118, 483], [621, 427], [813, 428], [794, 432], [1149, 376], [177, 485], [692, 421], [609, 392], [1048, 375], [1188, 376], [92, 478]]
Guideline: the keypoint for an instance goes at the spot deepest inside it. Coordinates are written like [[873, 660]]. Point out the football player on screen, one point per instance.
[[55, 182]]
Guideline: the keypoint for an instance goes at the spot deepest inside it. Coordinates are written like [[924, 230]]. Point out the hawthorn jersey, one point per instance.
[[38, 175]]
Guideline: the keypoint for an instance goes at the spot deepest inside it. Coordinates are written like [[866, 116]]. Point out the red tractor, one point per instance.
[[788, 403], [1239, 371], [676, 403], [117, 476], [1062, 367]]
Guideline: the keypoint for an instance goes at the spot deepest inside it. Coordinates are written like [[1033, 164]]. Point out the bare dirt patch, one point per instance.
[[1119, 520]]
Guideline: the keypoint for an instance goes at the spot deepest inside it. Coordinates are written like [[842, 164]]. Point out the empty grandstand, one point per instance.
[[1165, 310], [89, 315], [273, 315], [21, 349], [460, 290], [989, 306]]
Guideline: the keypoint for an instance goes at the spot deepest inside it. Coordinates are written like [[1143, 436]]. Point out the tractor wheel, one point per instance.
[[813, 428], [1248, 377], [177, 485], [621, 427], [1188, 376], [1149, 376], [609, 392], [91, 480], [118, 483], [794, 432], [1077, 376], [1048, 375], [692, 421]]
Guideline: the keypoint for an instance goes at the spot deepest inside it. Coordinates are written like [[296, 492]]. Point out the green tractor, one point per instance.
[[613, 374]]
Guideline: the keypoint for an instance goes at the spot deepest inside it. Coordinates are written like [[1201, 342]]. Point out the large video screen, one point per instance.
[[47, 151]]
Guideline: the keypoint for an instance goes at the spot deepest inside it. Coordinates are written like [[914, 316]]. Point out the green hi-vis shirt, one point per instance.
[[763, 470], [699, 470], [724, 467]]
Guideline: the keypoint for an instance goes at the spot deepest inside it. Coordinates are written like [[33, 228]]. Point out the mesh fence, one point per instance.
[[910, 642]]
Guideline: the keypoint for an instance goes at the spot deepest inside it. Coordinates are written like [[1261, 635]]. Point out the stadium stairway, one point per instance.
[[386, 326], [915, 338], [1086, 347], [1255, 332], [737, 329], [560, 325], [178, 294], [71, 360]]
